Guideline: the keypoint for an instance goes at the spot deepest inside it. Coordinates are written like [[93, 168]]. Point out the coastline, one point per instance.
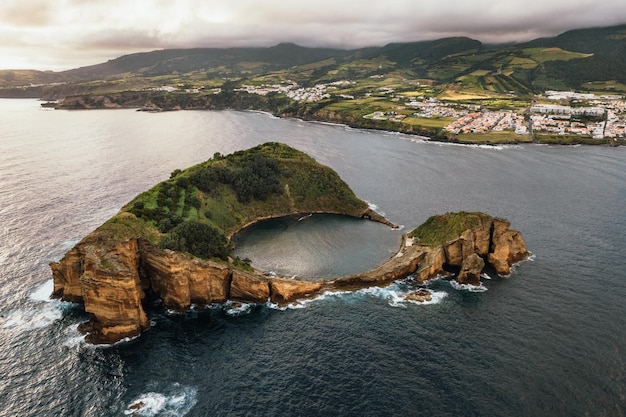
[[368, 214], [145, 103], [112, 277]]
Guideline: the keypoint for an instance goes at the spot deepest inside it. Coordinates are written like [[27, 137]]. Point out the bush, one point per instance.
[[183, 182], [253, 177], [198, 239]]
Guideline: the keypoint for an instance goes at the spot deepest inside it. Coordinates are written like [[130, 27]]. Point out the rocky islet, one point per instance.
[[111, 275]]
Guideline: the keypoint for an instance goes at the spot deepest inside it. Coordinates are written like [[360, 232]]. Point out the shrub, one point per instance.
[[198, 239]]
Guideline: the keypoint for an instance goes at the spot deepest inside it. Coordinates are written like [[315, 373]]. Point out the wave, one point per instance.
[[43, 292], [27, 319], [73, 337], [175, 400], [43, 313], [467, 287], [235, 309], [265, 113], [395, 294]]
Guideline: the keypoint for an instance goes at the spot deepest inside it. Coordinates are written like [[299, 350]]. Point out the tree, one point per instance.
[[198, 239]]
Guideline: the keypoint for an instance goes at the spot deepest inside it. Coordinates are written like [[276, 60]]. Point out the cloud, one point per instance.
[[34, 13], [81, 32]]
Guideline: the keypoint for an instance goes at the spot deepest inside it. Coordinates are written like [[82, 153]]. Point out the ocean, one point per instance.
[[550, 340]]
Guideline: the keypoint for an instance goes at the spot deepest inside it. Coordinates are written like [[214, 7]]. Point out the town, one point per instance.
[[553, 113]]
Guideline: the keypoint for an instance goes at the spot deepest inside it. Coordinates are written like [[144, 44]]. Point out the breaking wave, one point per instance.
[[467, 287], [395, 294], [175, 400], [42, 313]]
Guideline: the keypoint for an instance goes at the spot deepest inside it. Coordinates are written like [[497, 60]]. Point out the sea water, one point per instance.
[[547, 341]]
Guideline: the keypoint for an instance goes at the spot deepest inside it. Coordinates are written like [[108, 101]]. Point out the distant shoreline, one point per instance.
[[143, 101]]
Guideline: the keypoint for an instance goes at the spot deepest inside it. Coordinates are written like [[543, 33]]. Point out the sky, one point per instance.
[[64, 34]]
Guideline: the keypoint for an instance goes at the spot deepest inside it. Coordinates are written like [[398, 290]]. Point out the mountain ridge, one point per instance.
[[566, 61]]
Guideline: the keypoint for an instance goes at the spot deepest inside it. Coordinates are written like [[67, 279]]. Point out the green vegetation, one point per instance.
[[442, 228], [493, 137], [198, 239], [571, 140], [196, 209], [541, 55], [364, 88]]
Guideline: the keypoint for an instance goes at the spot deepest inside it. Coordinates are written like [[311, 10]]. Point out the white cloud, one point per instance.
[[69, 33]]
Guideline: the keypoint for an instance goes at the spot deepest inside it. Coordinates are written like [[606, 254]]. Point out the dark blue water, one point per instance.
[[548, 341]]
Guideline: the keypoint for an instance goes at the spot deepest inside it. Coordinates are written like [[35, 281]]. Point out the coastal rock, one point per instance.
[[249, 287], [112, 292], [471, 269], [403, 264], [507, 247], [459, 249], [180, 281], [66, 276], [285, 291], [432, 265], [420, 296], [482, 239], [113, 269]]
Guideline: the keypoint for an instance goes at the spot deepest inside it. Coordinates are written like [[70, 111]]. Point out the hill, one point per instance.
[[197, 209], [570, 60]]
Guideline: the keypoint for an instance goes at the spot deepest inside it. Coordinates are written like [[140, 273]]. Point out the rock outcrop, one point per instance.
[[111, 278], [471, 269], [507, 247], [420, 296], [104, 276]]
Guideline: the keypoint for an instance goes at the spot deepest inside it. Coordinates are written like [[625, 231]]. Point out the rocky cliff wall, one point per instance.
[[112, 278]]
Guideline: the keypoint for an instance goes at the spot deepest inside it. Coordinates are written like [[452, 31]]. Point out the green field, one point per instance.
[[439, 122], [493, 137], [541, 55]]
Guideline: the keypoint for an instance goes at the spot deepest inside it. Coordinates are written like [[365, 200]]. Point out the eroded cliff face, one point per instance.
[[112, 278], [104, 276]]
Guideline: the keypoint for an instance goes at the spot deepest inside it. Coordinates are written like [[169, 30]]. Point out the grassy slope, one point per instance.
[[305, 186], [445, 227]]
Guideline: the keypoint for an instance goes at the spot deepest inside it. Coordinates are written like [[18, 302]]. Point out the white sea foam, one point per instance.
[[28, 319], [467, 287], [437, 297], [43, 292], [175, 400], [45, 311], [394, 294], [298, 304], [476, 146], [268, 114], [74, 337], [237, 309]]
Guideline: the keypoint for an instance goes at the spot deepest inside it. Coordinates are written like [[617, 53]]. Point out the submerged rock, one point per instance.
[[420, 296]]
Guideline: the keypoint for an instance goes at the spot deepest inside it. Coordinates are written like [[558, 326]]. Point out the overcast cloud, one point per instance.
[[64, 34]]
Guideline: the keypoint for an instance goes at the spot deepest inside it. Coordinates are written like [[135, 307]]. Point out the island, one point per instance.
[[173, 242]]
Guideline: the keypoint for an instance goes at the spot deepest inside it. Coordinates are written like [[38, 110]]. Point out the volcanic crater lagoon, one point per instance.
[[547, 341], [318, 246]]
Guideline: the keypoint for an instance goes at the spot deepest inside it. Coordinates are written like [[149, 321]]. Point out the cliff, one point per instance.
[[111, 278]]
